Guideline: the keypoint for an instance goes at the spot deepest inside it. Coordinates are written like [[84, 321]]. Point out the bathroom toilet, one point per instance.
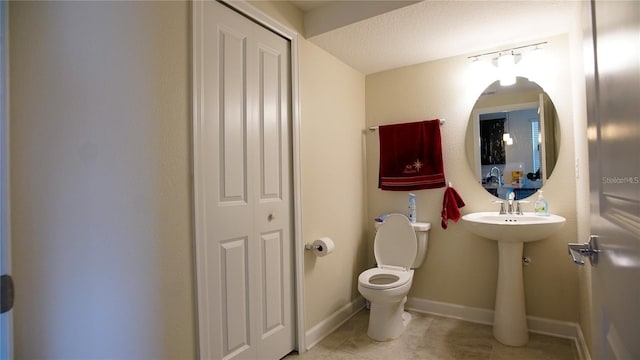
[[399, 247]]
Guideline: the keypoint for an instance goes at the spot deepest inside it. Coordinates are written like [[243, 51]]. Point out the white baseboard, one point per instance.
[[466, 313], [563, 329], [581, 344], [325, 327]]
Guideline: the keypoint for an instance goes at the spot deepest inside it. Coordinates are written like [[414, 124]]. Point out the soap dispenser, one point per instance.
[[412, 208], [541, 206]]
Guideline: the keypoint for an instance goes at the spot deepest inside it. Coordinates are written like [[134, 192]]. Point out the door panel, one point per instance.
[[233, 123], [613, 89], [244, 150], [234, 294], [272, 286], [274, 215], [270, 127]]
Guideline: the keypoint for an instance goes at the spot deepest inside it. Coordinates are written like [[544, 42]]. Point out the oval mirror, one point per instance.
[[513, 139]]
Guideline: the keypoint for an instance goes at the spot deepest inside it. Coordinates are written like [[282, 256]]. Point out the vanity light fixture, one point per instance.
[[506, 61]]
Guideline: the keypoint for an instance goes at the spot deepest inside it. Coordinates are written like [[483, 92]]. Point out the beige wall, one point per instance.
[[461, 268], [332, 155], [100, 185]]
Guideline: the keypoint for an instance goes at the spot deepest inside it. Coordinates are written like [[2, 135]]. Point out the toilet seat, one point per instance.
[[383, 279]]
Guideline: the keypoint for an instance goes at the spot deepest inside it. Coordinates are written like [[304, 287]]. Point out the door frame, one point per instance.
[[6, 320], [248, 10]]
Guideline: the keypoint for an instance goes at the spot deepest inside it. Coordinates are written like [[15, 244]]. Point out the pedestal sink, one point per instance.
[[511, 232]]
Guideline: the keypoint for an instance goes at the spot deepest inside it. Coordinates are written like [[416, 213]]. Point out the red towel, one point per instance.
[[411, 156], [451, 204]]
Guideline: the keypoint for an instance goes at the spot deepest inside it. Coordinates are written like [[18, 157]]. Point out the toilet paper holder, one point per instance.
[[312, 247], [321, 247]]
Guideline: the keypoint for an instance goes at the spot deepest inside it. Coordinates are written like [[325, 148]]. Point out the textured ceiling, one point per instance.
[[431, 30]]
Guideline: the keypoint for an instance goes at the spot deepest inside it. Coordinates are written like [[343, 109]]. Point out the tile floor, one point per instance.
[[434, 337]]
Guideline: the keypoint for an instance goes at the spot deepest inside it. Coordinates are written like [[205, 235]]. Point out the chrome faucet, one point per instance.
[[512, 197], [513, 206]]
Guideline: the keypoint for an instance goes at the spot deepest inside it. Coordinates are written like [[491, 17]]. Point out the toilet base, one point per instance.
[[387, 321]]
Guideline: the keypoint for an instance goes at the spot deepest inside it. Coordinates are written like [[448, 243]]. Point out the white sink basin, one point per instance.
[[513, 228], [511, 232]]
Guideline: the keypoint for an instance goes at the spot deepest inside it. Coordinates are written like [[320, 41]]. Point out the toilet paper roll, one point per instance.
[[323, 246]]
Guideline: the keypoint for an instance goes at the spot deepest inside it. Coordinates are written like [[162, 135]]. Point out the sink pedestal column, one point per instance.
[[510, 318]]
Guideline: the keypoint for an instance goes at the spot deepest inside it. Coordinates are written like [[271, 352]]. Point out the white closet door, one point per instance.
[[245, 184]]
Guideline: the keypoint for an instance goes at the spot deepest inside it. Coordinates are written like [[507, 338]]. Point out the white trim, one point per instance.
[[297, 197], [261, 18], [562, 329], [200, 247], [471, 314], [581, 345], [325, 327]]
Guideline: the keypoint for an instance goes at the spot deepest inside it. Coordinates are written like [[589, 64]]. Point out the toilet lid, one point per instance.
[[395, 243]]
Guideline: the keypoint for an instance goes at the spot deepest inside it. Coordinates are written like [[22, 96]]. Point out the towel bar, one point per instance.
[[374, 128]]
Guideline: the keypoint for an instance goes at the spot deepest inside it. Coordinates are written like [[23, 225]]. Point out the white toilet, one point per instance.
[[399, 247]]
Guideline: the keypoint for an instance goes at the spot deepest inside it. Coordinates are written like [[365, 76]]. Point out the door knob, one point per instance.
[[271, 217], [590, 249]]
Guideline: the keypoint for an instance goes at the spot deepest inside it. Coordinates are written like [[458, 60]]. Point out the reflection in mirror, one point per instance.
[[513, 139]]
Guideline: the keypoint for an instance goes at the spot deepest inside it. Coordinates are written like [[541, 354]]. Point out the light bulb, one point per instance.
[[534, 64], [506, 69]]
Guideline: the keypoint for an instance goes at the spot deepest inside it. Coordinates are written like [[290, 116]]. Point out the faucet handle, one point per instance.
[[502, 208], [519, 207]]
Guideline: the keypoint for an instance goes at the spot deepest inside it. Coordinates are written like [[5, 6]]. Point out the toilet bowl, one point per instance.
[[399, 246]]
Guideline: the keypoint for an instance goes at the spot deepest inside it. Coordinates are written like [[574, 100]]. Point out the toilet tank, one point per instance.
[[422, 235]]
